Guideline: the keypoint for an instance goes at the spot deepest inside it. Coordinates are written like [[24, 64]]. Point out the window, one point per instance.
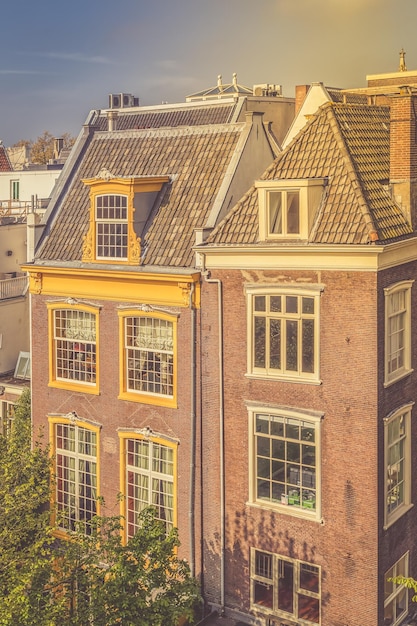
[[285, 587], [6, 417], [76, 455], [285, 460], [149, 474], [284, 334], [149, 357], [395, 596], [397, 331], [119, 210], [22, 369], [111, 227], [74, 346], [284, 212], [397, 463], [14, 190], [287, 207]]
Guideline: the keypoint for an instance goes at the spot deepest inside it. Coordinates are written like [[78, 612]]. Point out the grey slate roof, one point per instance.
[[349, 145]]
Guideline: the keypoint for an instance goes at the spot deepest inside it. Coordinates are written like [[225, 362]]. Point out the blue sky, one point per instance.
[[59, 60]]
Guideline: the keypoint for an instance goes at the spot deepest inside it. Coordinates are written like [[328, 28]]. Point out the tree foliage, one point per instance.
[[42, 149], [25, 531], [87, 579], [408, 582]]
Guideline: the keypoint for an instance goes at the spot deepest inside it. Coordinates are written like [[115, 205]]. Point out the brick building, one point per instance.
[[311, 444], [116, 300]]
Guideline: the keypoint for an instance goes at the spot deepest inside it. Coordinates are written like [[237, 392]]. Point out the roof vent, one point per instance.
[[122, 101], [265, 89]]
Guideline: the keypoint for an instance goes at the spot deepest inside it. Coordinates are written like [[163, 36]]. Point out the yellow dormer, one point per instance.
[[119, 210]]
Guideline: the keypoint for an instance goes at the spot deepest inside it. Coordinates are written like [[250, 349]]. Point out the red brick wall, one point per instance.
[[112, 413], [349, 545]]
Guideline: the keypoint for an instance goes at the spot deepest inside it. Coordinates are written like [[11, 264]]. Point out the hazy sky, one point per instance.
[[59, 60]]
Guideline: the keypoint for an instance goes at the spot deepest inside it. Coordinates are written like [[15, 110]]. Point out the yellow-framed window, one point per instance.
[[148, 357], [111, 216], [75, 450], [73, 353], [148, 468]]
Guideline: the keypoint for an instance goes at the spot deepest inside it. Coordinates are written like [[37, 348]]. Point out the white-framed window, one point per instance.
[[76, 453], [396, 595], [287, 588], [74, 341], [397, 331], [287, 207], [149, 465], [397, 445], [22, 369], [112, 226], [285, 459], [283, 333]]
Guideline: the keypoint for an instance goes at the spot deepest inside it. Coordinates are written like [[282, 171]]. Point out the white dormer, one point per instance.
[[287, 207]]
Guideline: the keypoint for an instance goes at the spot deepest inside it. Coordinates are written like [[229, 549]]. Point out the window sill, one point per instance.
[[73, 386], [399, 376], [285, 379], [285, 509], [144, 399], [394, 517]]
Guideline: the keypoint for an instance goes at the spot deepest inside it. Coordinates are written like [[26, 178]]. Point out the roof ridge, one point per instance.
[[171, 131], [350, 168]]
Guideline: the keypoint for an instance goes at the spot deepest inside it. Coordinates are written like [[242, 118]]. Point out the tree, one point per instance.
[[105, 582], [408, 582], [92, 577], [42, 149], [25, 531]]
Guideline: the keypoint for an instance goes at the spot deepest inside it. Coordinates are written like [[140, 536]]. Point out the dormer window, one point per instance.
[[287, 207], [119, 211], [111, 227]]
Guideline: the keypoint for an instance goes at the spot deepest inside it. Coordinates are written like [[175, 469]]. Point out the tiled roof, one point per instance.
[[5, 165], [346, 97], [348, 145], [196, 158], [218, 113]]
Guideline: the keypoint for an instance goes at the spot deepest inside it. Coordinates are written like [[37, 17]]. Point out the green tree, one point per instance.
[[25, 531], [104, 582]]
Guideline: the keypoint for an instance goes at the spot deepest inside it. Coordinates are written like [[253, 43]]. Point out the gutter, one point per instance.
[[191, 512]]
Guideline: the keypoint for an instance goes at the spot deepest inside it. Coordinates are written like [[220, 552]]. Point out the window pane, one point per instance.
[[259, 341], [275, 212], [292, 346], [293, 213], [75, 345], [286, 586], [275, 344], [308, 345]]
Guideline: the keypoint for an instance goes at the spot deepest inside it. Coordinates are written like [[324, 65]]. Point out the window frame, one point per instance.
[[312, 291], [154, 439], [73, 422], [390, 293], [390, 517], [15, 190], [314, 420], [146, 397], [310, 191], [92, 387], [123, 223], [273, 581], [397, 590]]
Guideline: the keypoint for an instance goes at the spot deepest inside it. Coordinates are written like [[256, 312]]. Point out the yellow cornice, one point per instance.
[[164, 289], [310, 256]]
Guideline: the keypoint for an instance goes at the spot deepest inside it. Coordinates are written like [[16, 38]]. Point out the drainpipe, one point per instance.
[[191, 513], [218, 282]]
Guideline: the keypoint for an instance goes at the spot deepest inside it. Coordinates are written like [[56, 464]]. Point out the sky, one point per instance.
[[59, 60]]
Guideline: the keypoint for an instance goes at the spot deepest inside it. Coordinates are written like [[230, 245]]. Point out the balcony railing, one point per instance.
[[13, 287], [23, 207]]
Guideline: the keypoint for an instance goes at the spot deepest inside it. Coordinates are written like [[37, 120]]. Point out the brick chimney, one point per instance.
[[300, 94], [403, 152]]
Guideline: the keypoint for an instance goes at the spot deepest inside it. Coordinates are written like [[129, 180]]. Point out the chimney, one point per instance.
[[403, 152], [58, 145], [112, 120], [300, 94]]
